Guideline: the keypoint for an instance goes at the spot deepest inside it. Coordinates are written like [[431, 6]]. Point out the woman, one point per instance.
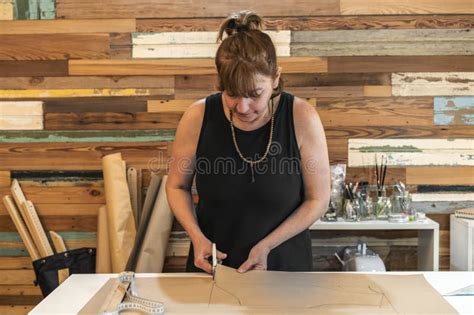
[[260, 159]]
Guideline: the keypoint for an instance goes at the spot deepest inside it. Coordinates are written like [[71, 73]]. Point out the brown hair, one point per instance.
[[245, 52]]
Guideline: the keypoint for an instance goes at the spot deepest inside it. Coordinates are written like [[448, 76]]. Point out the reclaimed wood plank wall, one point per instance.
[[80, 79]]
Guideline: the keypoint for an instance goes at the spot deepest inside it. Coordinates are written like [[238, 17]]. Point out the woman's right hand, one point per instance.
[[202, 252]]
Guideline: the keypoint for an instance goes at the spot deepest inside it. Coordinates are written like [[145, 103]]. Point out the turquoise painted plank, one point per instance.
[[46, 136], [47, 9], [454, 110], [35, 9], [18, 252], [15, 237]]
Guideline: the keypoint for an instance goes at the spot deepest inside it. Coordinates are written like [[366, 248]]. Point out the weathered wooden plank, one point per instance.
[[61, 195], [442, 207], [34, 122], [412, 152], [308, 23], [70, 9], [47, 9], [111, 121], [6, 10], [444, 188], [192, 44], [14, 277], [68, 236], [156, 106], [67, 26], [454, 110], [359, 64], [34, 9], [209, 82], [427, 83], [371, 111], [16, 309], [181, 66], [24, 68], [445, 197], [189, 51], [113, 82], [54, 223], [395, 132], [19, 289], [5, 179], [21, 108], [338, 91], [81, 156], [440, 175], [361, 7], [57, 93], [68, 209], [130, 104], [417, 42], [54, 46], [84, 136]]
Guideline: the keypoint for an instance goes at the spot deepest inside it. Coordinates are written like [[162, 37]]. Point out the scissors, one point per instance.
[[214, 260]]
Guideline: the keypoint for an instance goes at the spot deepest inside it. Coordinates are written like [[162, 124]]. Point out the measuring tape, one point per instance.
[[132, 301]]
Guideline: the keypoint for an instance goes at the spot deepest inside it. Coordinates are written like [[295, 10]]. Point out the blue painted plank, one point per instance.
[[454, 110]]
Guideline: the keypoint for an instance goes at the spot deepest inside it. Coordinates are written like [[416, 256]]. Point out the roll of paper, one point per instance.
[[153, 252], [121, 223]]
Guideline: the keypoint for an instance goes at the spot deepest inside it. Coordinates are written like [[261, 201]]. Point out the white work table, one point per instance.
[[71, 296], [428, 236]]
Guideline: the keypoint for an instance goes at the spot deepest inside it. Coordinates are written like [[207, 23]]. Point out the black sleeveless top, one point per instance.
[[236, 213]]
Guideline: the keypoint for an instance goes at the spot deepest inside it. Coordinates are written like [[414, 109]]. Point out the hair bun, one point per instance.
[[240, 22]]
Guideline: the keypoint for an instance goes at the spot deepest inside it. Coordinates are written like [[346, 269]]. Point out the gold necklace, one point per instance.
[[248, 161]]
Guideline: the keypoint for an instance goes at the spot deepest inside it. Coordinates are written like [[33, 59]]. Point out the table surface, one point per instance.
[[83, 287], [427, 224]]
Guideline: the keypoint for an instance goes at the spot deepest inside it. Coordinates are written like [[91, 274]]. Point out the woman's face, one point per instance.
[[249, 109]]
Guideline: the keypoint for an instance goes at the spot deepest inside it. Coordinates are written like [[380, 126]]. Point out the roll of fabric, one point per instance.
[[152, 254], [121, 223]]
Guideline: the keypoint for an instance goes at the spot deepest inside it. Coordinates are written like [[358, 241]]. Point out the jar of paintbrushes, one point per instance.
[[351, 208], [382, 204], [401, 211]]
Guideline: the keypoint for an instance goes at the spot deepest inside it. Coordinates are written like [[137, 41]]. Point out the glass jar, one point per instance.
[[351, 210], [382, 205]]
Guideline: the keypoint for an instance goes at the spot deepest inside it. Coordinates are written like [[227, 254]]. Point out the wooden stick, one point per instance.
[[60, 247], [38, 233], [21, 227], [132, 187], [58, 242]]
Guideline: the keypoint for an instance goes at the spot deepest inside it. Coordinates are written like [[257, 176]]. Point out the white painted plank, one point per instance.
[[6, 11], [26, 108], [21, 122], [192, 44], [411, 152], [457, 197], [188, 51], [282, 37], [432, 83]]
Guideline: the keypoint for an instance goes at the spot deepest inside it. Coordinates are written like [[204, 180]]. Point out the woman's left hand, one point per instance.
[[257, 259]]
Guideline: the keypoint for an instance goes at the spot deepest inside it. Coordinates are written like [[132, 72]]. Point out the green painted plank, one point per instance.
[[76, 136], [13, 252]]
